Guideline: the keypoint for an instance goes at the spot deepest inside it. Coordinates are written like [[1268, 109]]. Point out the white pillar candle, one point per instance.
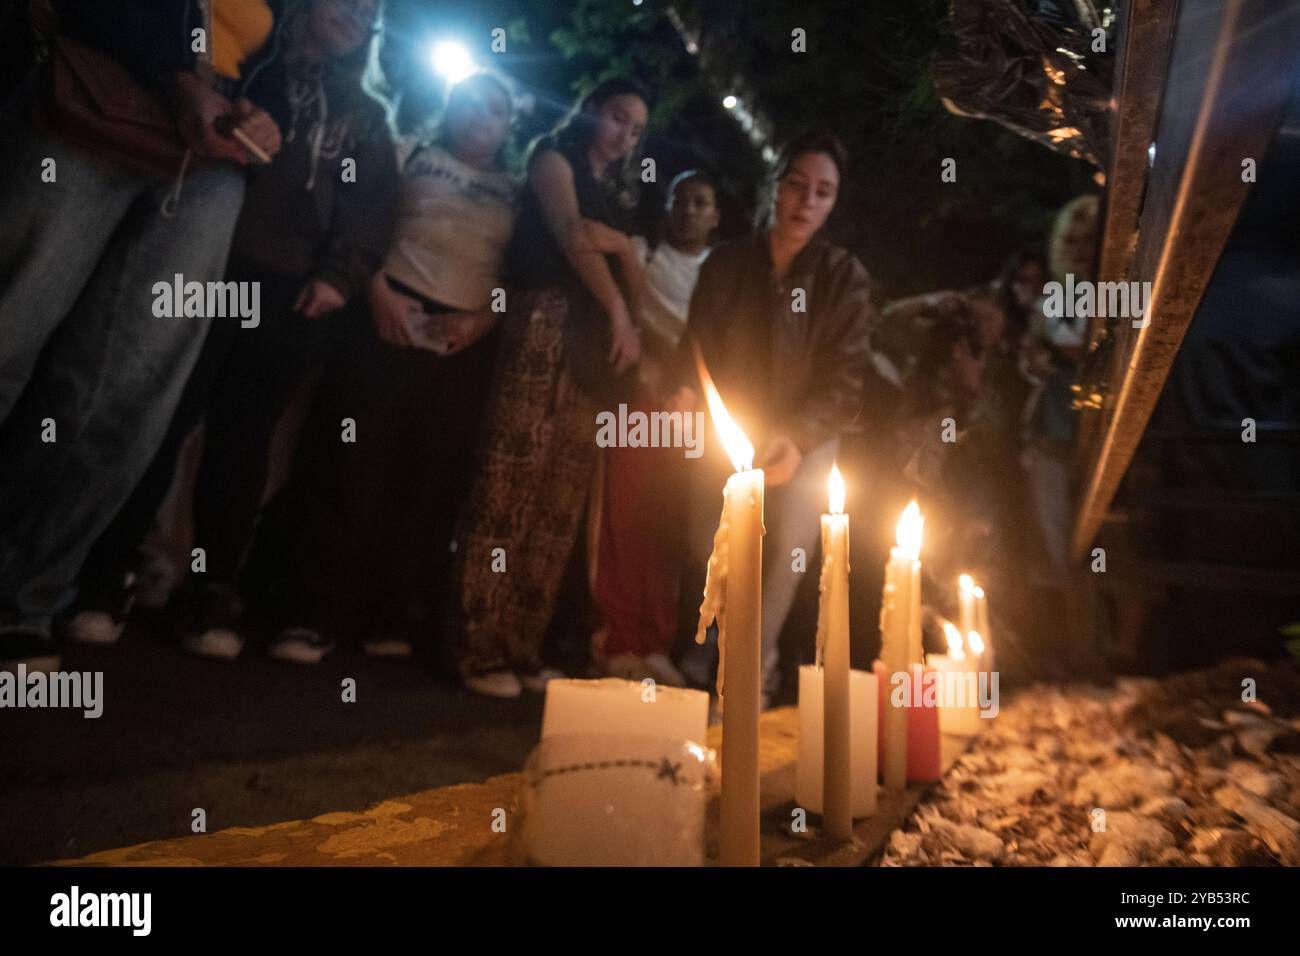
[[614, 800], [863, 710], [612, 705]]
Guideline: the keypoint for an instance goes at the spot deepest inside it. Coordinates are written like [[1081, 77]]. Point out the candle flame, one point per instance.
[[737, 446], [966, 583], [978, 592], [909, 531], [953, 637], [975, 641], [835, 490]]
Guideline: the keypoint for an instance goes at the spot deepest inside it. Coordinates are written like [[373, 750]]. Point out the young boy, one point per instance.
[[636, 578]]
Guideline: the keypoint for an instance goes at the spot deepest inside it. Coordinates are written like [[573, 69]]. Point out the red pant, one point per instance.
[[639, 549]]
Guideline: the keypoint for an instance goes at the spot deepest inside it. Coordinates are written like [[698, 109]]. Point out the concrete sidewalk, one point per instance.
[[251, 742]]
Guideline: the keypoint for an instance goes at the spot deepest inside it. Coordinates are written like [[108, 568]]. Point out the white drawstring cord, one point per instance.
[[173, 197]]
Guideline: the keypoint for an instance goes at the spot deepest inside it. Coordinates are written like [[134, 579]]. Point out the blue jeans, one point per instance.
[[80, 345]]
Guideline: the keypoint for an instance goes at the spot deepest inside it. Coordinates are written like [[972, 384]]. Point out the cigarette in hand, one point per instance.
[[247, 142]]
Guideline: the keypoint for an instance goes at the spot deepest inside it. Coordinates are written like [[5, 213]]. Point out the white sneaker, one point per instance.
[[216, 642], [500, 684], [300, 645], [663, 671], [386, 647], [537, 682], [95, 627]]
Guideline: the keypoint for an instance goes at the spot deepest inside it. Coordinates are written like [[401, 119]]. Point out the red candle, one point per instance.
[[923, 763]]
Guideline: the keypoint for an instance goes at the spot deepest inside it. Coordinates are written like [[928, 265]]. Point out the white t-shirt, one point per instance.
[[670, 279], [453, 224]]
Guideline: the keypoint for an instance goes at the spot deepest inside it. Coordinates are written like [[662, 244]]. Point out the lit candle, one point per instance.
[[982, 625], [965, 604], [833, 655], [899, 640], [957, 672], [733, 597]]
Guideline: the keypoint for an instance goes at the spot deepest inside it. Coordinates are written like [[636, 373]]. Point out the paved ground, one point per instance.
[[251, 742]]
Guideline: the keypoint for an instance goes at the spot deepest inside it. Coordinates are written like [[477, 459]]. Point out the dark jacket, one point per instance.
[[152, 38], [300, 218], [781, 371]]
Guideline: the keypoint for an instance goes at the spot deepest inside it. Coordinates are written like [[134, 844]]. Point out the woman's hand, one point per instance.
[[454, 332], [625, 347], [392, 312], [256, 124], [197, 108], [683, 400], [318, 297], [601, 238], [780, 460]]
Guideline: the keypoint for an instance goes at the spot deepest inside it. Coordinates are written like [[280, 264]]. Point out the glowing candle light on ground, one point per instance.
[[733, 597]]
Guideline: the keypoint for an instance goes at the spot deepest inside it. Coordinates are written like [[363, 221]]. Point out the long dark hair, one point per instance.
[[572, 135], [352, 80], [1018, 316], [811, 141]]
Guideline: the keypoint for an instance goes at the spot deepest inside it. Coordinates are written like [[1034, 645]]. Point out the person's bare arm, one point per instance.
[[607, 241], [551, 178], [611, 242], [905, 310]]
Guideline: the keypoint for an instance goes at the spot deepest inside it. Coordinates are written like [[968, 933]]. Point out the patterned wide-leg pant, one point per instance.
[[535, 468]]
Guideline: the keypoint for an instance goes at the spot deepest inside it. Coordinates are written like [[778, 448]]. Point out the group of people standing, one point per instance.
[[462, 327]]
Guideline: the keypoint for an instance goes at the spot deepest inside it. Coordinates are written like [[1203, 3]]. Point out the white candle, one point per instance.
[[616, 800], [833, 647], [615, 706], [863, 710], [957, 672], [982, 625], [898, 605], [733, 596], [965, 604]]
